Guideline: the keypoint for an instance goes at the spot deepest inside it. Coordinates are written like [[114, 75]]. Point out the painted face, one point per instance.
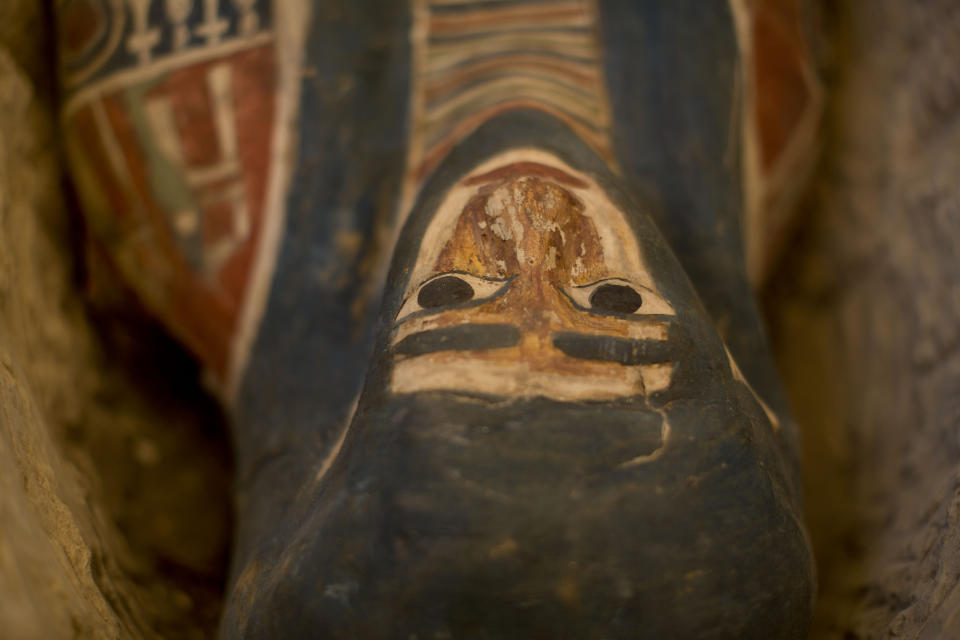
[[530, 282]]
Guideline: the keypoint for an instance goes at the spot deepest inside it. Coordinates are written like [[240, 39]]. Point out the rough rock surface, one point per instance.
[[865, 317], [113, 501]]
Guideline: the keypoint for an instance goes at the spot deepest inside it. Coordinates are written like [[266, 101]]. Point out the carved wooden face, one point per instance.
[[530, 282]]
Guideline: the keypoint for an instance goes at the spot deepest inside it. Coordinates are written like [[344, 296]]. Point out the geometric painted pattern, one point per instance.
[[474, 60], [783, 101], [169, 112]]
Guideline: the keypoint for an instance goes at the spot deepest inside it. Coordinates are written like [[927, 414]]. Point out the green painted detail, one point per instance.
[[166, 175]]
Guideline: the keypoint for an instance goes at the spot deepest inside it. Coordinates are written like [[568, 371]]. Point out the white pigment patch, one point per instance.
[[551, 262]]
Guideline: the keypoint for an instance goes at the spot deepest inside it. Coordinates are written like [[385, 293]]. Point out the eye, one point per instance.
[[616, 296], [444, 291], [449, 290]]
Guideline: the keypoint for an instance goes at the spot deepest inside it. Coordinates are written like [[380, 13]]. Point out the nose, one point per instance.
[[538, 308]]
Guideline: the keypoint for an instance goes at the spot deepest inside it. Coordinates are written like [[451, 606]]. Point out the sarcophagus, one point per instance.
[[470, 277]]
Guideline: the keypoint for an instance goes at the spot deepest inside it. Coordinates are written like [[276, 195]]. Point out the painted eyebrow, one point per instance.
[[625, 351], [526, 169], [464, 337], [459, 272], [612, 279]]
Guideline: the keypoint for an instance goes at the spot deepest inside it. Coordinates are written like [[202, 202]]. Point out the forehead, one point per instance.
[[621, 253]]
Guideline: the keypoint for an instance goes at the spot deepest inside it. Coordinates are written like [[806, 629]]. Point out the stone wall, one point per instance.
[[865, 316], [113, 499]]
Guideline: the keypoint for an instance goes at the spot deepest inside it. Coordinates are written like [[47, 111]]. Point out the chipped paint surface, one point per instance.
[[179, 119], [533, 238]]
